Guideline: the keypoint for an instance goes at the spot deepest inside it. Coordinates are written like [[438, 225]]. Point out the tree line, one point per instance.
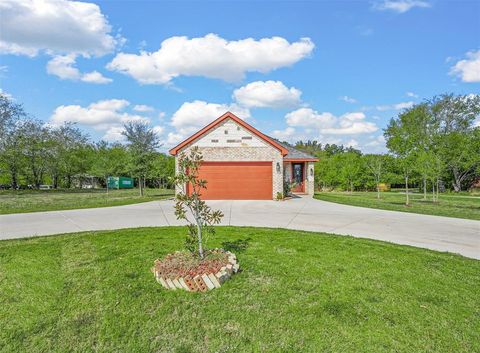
[[433, 144], [33, 153]]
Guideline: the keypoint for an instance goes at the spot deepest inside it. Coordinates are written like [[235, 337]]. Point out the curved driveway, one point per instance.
[[432, 232]]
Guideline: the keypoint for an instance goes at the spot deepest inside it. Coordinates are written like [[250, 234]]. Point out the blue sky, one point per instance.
[[331, 71]]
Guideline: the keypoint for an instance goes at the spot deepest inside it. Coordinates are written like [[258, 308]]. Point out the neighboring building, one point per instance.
[[241, 163]]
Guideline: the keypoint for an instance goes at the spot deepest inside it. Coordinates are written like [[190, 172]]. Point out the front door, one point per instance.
[[297, 177]]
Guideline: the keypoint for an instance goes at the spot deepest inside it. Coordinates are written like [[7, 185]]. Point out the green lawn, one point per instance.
[[450, 205], [52, 200], [298, 292]]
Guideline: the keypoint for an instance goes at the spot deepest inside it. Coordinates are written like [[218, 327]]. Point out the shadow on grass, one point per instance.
[[236, 246]]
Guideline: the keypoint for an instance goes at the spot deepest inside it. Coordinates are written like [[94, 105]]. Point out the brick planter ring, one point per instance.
[[203, 282]]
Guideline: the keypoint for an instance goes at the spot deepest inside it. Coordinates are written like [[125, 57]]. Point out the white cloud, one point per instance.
[[267, 94], [95, 77], [284, 135], [143, 108], [411, 94], [468, 69], [55, 27], [351, 124], [174, 139], [348, 99], [194, 115], [210, 56], [328, 124], [307, 117], [63, 66], [101, 115], [6, 94], [352, 143], [400, 6], [397, 106], [114, 134]]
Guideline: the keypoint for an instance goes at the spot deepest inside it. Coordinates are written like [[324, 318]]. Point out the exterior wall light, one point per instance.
[[278, 167]]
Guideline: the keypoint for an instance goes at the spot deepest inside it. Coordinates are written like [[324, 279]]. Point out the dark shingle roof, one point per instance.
[[293, 153]]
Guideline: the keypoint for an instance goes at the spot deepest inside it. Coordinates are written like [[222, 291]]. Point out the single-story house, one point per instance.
[[241, 163]]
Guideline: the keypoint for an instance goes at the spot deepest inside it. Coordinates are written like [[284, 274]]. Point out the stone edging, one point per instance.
[[201, 283]]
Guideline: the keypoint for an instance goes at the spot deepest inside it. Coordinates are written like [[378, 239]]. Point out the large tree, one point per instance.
[[457, 137], [11, 157], [142, 143]]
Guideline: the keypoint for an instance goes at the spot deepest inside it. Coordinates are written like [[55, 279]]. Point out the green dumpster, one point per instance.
[[120, 183]]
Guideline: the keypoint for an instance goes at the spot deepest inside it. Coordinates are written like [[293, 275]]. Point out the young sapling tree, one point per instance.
[[188, 198]]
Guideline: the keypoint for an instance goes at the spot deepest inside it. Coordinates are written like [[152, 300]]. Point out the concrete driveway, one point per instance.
[[431, 232]]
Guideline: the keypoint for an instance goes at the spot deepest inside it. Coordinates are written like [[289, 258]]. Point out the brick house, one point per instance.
[[241, 163]]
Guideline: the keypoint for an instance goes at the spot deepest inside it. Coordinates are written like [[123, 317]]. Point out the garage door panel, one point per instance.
[[237, 180]]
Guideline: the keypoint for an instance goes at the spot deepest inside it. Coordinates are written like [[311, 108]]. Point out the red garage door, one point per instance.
[[237, 180]]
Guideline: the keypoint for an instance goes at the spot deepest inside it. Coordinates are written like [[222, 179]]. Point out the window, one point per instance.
[[226, 132], [215, 140], [246, 137], [238, 128], [233, 141]]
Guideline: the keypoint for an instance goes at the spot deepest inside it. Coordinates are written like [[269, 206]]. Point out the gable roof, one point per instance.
[[213, 124], [295, 154]]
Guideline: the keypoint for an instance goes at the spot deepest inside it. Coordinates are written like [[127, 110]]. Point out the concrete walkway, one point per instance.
[[431, 232]]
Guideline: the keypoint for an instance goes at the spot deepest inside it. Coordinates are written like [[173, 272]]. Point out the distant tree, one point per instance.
[[11, 158], [110, 160], [142, 142], [351, 168], [375, 165], [66, 141], [312, 147], [457, 137]]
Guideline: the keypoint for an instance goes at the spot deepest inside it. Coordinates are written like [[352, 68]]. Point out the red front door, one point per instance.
[[298, 177]]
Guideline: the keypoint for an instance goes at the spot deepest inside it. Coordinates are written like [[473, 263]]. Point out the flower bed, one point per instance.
[[183, 270]]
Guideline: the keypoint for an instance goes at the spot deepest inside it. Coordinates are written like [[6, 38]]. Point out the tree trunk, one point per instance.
[[407, 202], [378, 190], [199, 231], [13, 175], [433, 191], [457, 181], [425, 188], [438, 183]]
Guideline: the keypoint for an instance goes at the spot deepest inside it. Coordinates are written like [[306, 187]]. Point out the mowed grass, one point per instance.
[[298, 292], [450, 205], [23, 201]]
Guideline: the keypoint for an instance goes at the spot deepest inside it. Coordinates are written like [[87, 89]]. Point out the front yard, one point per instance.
[[298, 292], [450, 205], [23, 201]]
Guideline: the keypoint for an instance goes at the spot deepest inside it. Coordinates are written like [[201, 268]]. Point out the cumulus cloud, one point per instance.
[[143, 108], [285, 134], [351, 124], [63, 66], [411, 94], [468, 69], [54, 27], [101, 115], [210, 56], [193, 115], [267, 94], [348, 99], [328, 124], [400, 6], [307, 117]]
